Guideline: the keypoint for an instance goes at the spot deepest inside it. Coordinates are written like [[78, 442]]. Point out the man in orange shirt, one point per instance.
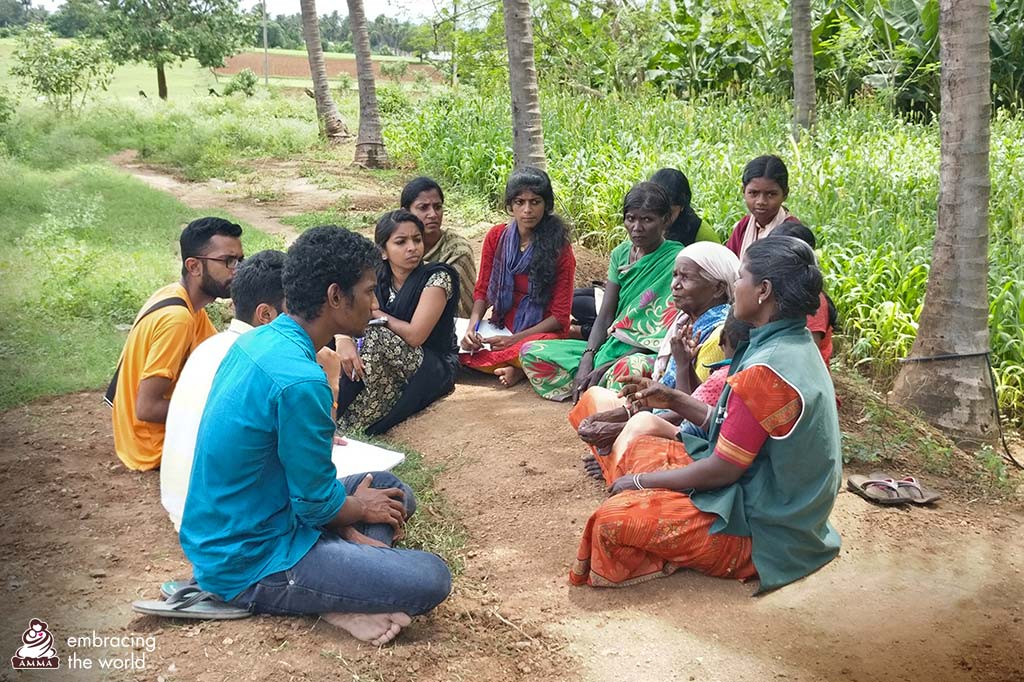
[[163, 336]]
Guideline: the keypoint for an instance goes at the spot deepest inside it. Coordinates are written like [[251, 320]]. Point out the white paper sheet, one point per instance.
[[357, 457], [486, 330]]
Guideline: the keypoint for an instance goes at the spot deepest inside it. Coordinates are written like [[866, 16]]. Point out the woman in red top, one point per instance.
[[822, 322], [526, 277]]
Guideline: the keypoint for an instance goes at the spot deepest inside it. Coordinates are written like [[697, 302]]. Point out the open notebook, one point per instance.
[[357, 457], [486, 330]]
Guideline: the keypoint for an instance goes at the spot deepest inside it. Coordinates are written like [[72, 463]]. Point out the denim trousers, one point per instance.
[[338, 576]]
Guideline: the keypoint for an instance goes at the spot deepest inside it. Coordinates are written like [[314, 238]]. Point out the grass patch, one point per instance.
[[82, 249], [435, 527], [357, 221]]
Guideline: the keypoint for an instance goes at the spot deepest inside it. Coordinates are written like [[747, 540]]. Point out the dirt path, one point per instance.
[[917, 594]]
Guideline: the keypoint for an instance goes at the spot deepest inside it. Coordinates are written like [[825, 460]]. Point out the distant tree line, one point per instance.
[[85, 18]]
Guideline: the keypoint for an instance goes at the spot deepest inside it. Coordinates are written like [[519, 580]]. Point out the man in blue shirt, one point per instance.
[[267, 526]]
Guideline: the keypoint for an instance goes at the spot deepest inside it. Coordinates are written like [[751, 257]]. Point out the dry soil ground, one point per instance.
[[928, 594]]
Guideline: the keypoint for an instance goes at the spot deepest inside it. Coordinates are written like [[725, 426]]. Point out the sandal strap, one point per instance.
[[194, 599], [882, 483], [190, 595], [909, 482]]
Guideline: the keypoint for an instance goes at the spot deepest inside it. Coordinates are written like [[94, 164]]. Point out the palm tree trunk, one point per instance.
[[956, 394], [370, 150], [803, 66], [332, 126], [527, 130]]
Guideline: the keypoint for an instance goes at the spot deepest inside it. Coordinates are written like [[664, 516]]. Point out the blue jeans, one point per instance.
[[337, 576]]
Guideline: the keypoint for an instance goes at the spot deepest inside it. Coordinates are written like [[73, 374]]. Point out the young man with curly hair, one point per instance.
[[267, 526]]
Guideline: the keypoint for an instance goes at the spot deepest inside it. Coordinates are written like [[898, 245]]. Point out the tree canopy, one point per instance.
[[162, 32]]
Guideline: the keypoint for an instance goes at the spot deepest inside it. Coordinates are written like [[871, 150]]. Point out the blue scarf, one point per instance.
[[702, 327], [509, 262]]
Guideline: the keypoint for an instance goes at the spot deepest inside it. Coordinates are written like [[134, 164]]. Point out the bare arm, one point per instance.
[[428, 312], [472, 340], [705, 474], [150, 404], [598, 335]]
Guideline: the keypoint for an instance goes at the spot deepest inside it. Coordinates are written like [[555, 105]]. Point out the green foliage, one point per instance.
[[65, 74], [245, 82], [7, 107], [393, 102], [345, 83], [394, 70], [867, 182], [82, 248], [162, 32], [202, 139]]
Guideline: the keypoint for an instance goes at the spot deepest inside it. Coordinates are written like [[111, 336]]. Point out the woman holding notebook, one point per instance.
[[408, 355], [526, 278]]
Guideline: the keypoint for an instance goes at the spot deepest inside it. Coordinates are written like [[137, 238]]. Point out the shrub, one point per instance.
[[394, 70], [393, 102], [65, 74], [245, 81]]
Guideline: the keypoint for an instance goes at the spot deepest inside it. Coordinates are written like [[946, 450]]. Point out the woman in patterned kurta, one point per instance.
[[526, 276], [636, 311], [754, 498], [410, 358]]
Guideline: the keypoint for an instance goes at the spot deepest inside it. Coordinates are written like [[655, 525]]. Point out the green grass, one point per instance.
[[186, 81], [435, 527], [82, 248]]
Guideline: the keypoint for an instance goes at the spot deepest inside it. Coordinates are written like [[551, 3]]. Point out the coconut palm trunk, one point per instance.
[[370, 150], [332, 126], [954, 393], [803, 66], [527, 130]]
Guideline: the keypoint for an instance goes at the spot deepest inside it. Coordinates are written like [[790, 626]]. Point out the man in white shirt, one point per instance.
[[258, 295]]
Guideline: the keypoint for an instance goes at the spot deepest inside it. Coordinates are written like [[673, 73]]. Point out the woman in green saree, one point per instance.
[[636, 311]]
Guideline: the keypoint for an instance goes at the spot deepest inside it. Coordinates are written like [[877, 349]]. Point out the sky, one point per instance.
[[400, 9]]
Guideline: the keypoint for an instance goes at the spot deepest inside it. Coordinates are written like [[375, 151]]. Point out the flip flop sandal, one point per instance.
[[172, 586], [191, 602], [912, 490], [878, 490]]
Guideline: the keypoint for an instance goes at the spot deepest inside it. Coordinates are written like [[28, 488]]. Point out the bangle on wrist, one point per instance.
[[590, 349], [636, 482]]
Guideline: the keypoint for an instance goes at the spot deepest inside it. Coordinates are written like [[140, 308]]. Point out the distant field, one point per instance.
[[289, 68], [295, 64]]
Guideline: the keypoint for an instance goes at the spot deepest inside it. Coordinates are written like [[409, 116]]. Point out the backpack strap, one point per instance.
[[108, 397]]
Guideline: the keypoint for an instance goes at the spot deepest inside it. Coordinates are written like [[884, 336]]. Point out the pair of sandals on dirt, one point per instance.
[[882, 488], [185, 599]]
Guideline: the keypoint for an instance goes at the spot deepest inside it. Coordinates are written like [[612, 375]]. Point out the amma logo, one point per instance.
[[36, 650]]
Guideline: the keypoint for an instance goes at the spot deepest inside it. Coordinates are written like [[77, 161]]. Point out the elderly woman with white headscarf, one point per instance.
[[702, 289]]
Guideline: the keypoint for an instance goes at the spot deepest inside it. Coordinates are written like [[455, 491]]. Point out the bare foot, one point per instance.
[[509, 376], [376, 628], [592, 468], [352, 535]]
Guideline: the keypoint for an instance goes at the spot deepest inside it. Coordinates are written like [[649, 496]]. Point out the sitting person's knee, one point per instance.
[[436, 580], [386, 479]]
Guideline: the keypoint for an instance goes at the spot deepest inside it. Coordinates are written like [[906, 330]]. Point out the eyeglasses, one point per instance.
[[230, 262]]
